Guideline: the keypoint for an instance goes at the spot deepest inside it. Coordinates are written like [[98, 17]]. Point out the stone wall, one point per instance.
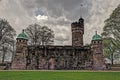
[[59, 57]]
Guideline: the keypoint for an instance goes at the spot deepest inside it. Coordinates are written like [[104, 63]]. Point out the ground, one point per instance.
[[59, 75]]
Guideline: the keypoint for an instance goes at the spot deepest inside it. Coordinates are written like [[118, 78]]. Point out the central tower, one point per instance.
[[77, 29]]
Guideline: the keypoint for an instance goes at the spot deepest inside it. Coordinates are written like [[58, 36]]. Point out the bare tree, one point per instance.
[[47, 36], [7, 34], [33, 32], [39, 35]]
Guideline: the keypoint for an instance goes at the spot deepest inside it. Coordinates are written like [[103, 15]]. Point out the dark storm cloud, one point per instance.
[[58, 14], [68, 8], [59, 10], [40, 12]]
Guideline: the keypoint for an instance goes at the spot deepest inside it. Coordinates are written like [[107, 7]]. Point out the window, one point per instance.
[[94, 42], [19, 40]]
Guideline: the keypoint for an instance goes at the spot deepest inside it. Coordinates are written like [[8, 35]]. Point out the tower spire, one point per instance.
[[81, 5]]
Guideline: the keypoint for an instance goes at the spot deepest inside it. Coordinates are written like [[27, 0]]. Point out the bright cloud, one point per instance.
[[41, 17]]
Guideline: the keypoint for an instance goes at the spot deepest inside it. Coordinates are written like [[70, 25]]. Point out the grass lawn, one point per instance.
[[58, 75]]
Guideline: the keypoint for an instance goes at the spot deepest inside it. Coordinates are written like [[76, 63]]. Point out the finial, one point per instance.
[[96, 32], [23, 31]]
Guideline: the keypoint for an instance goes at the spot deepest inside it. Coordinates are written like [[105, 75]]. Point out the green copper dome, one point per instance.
[[22, 35], [96, 37]]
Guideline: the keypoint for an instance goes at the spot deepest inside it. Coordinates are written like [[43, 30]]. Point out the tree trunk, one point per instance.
[[112, 59], [3, 56]]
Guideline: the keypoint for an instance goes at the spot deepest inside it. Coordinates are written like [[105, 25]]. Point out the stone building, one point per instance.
[[51, 57]]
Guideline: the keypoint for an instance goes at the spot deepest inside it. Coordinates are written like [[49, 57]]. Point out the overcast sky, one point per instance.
[[58, 15]]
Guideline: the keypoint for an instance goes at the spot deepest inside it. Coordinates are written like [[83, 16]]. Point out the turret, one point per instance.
[[21, 42], [19, 58], [97, 50]]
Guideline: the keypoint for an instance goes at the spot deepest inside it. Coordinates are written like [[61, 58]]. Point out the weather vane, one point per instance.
[[81, 5]]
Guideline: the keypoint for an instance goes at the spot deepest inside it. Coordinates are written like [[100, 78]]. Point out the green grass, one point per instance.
[[58, 75]]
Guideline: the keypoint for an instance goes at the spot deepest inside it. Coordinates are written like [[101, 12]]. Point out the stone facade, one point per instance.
[[19, 60], [49, 57], [98, 60], [59, 57]]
